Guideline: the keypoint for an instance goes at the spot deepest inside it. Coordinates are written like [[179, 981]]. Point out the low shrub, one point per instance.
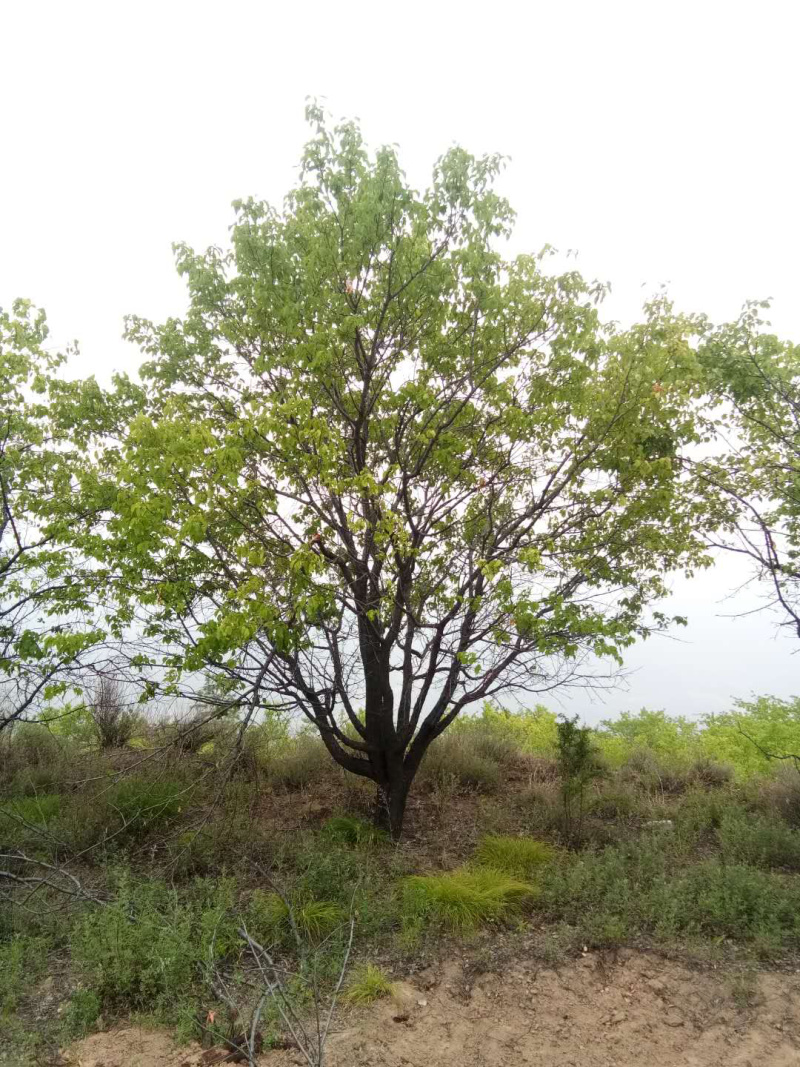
[[710, 774], [521, 857], [463, 899], [781, 794], [758, 841]]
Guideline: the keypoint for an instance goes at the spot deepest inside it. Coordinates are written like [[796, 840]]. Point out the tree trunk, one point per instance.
[[390, 806]]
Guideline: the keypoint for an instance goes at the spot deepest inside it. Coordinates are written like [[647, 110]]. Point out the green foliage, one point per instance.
[[463, 899], [519, 856], [393, 388], [350, 830], [22, 960], [147, 949], [368, 983], [82, 1012], [758, 841], [271, 917], [142, 802]]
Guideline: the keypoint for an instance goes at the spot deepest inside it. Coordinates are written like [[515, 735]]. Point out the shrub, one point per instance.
[[579, 764], [82, 1012], [31, 761], [367, 984], [349, 830], [146, 949], [518, 856], [781, 794], [759, 841], [464, 898]]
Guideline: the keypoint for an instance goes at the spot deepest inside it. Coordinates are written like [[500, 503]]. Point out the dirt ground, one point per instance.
[[636, 1009]]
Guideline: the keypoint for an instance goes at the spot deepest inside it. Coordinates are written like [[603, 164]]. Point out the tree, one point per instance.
[[754, 378], [48, 621], [381, 473]]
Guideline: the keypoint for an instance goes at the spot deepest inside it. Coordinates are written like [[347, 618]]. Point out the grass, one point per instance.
[[521, 857], [368, 983], [684, 842], [463, 899], [350, 830]]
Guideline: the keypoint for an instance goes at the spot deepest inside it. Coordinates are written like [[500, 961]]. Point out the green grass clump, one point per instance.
[[142, 803], [350, 830], [367, 984], [270, 918], [518, 856], [463, 899], [38, 810]]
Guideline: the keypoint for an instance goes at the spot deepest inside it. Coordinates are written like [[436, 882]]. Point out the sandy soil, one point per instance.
[[594, 1012]]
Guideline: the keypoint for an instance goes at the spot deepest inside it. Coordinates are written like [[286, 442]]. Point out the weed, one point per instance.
[[270, 915], [451, 763], [759, 841], [367, 984], [521, 857]]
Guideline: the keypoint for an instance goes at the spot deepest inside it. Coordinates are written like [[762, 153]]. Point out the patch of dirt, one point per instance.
[[593, 1012]]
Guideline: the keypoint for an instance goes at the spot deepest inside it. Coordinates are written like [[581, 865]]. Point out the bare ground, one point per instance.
[[636, 1009]]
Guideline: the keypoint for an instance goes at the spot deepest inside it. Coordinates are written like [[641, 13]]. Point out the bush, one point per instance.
[[518, 856], [147, 949], [114, 719], [758, 841], [710, 774], [781, 794], [463, 899], [367, 984], [31, 761]]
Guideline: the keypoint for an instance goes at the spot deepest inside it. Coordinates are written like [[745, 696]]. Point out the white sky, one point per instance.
[[658, 139]]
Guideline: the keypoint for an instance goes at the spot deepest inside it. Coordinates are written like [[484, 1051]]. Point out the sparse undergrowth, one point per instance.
[[675, 847]]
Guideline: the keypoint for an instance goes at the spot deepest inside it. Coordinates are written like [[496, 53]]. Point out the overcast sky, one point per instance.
[[660, 140]]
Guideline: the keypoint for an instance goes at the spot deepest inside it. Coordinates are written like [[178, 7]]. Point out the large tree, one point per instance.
[[754, 390], [382, 473], [48, 617]]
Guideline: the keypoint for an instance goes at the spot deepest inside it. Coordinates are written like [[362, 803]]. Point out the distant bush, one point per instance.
[[141, 802]]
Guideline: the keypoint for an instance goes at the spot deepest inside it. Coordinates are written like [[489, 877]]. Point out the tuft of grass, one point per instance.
[[452, 762], [463, 899], [269, 915], [521, 857], [142, 803], [350, 830], [367, 984], [305, 761], [39, 809]]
